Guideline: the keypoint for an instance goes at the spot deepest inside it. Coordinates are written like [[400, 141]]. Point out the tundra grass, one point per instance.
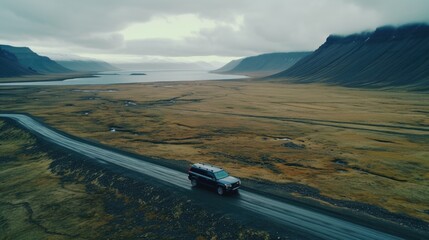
[[48, 193], [361, 145], [34, 204]]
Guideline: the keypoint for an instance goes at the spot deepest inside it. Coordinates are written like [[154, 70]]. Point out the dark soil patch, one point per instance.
[[292, 145], [378, 174], [340, 161], [382, 141], [171, 142], [169, 102]]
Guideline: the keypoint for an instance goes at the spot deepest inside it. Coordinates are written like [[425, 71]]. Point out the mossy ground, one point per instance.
[[48, 193], [34, 204]]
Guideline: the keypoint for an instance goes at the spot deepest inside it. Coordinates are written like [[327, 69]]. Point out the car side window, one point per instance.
[[210, 175], [204, 173], [199, 171]]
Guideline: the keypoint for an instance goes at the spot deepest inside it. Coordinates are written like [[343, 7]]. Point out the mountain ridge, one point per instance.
[[29, 59], [82, 65], [10, 67], [263, 64], [387, 57], [228, 67]]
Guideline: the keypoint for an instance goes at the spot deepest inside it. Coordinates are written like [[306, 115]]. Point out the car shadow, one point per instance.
[[211, 190]]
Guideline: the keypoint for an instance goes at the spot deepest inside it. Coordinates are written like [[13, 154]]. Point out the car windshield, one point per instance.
[[221, 174]]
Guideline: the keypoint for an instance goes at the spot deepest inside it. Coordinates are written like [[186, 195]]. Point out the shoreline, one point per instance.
[[10, 81], [112, 78], [46, 78]]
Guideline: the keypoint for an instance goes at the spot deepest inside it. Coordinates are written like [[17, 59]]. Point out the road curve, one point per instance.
[[307, 221]]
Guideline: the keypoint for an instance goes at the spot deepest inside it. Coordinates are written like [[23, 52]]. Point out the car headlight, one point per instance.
[[239, 182], [228, 185]]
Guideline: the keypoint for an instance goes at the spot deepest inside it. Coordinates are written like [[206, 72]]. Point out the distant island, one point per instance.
[[137, 74]]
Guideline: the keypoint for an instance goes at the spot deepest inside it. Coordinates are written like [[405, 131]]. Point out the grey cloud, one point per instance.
[[102, 41], [272, 25]]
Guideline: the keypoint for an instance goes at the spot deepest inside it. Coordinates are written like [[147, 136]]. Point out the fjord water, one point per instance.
[[118, 77]]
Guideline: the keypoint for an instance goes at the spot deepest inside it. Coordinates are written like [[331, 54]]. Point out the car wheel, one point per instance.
[[194, 182], [220, 190]]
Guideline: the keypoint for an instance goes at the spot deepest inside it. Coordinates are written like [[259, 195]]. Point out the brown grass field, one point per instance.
[[34, 204], [48, 193], [370, 146]]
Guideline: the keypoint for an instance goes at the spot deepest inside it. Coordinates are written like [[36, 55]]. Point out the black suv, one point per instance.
[[214, 177]]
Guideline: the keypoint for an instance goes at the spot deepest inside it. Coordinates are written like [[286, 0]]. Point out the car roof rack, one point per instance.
[[207, 167]]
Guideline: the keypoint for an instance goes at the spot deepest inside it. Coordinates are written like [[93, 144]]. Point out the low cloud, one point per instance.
[[264, 26]]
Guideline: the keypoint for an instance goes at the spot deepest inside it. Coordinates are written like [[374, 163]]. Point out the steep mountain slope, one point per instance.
[[10, 67], [269, 62], [29, 59], [87, 65], [387, 57], [228, 67], [264, 64]]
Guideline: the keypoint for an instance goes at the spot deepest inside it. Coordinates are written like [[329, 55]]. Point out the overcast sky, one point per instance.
[[192, 30]]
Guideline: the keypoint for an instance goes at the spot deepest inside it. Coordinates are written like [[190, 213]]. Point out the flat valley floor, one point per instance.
[[368, 146]]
